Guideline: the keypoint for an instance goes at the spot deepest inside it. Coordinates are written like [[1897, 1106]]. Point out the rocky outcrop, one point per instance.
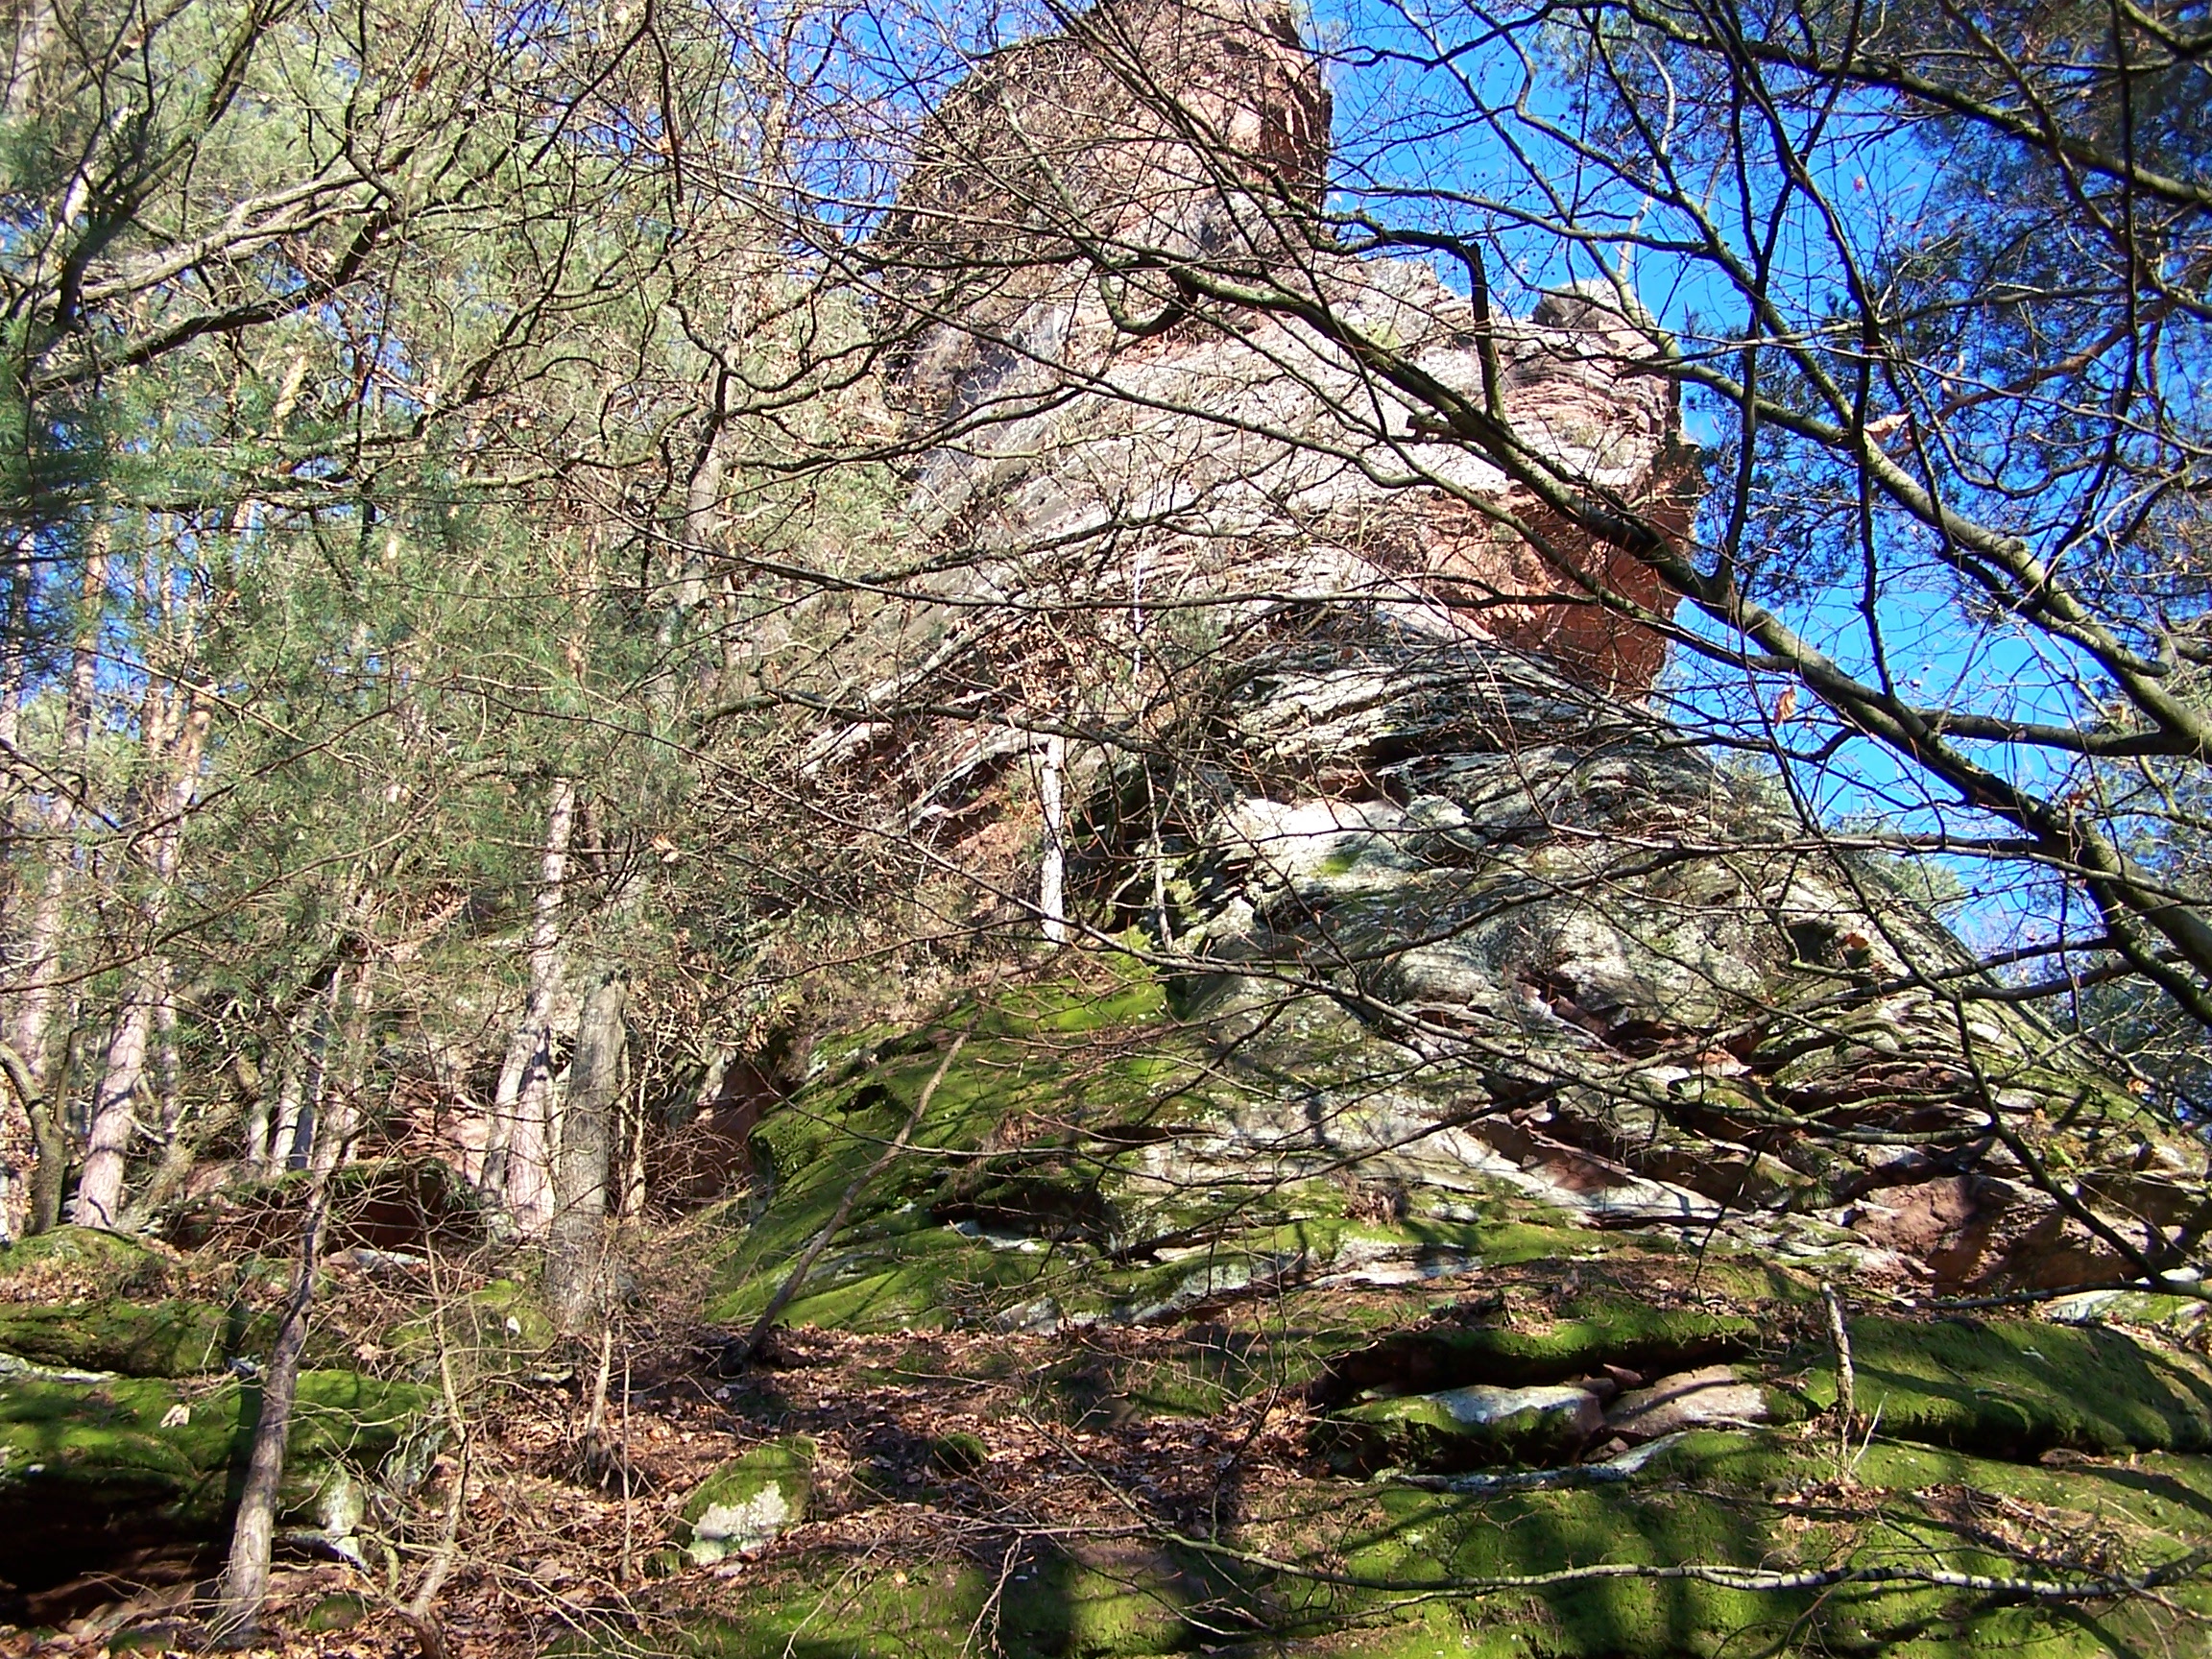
[[1471, 1067], [1141, 134], [109, 1481], [1470, 1428], [125, 1425], [1143, 388], [1522, 926], [1370, 765]]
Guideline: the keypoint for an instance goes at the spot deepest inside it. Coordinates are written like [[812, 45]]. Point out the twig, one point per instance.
[[1720, 1573], [1626, 1466], [1846, 1381]]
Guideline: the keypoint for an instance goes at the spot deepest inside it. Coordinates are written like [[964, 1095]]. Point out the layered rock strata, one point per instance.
[[1366, 763], [1147, 386]]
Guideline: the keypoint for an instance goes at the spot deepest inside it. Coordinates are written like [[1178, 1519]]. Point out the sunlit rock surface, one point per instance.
[[1464, 1067]]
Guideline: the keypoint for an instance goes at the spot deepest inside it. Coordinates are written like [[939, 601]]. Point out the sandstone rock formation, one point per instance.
[[1369, 767], [1104, 424]]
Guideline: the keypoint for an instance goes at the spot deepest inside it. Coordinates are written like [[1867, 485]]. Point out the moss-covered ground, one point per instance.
[[1061, 1385], [1088, 1267]]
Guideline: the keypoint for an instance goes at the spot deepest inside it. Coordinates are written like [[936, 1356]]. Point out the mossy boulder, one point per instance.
[[2018, 1387], [498, 1330], [1470, 1428], [1393, 1570], [80, 1264], [1580, 1337], [92, 1473], [1762, 1500], [1098, 1598], [170, 1339], [748, 1500]]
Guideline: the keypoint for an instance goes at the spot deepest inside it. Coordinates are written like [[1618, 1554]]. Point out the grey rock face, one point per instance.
[[1511, 931]]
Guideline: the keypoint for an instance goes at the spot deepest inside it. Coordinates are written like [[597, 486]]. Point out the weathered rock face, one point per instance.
[[1103, 434], [1483, 1067], [1674, 1004], [1145, 131]]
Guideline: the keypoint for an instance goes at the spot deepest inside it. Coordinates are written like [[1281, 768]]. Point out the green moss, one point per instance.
[[88, 1470], [2022, 1386], [2173, 1318], [1746, 1500], [339, 1612], [959, 1453], [748, 1501], [140, 1340], [1588, 1334], [70, 1263], [1462, 1429], [1099, 1601], [144, 1640], [498, 1330]]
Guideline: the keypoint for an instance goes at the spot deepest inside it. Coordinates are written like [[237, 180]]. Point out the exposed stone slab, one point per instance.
[[1711, 1397]]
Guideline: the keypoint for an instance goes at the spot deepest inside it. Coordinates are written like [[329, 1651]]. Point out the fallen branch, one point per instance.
[[1726, 1576], [1846, 1380]]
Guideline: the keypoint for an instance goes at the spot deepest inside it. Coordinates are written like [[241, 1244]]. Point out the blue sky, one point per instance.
[[1417, 142]]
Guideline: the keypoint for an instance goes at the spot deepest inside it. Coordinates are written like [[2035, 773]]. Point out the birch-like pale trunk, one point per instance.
[[19, 1133], [1052, 878], [521, 1125], [265, 1107], [99, 1201], [178, 1147], [37, 933], [31, 1020]]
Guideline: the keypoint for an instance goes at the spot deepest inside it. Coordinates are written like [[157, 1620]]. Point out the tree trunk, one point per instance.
[[1052, 882], [339, 1116], [296, 1120], [246, 1577], [39, 953], [521, 1126], [18, 1147], [575, 1241], [100, 1184], [27, 54], [18, 1135], [264, 1114]]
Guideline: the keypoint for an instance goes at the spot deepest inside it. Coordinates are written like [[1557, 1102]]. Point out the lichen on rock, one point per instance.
[[748, 1501]]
